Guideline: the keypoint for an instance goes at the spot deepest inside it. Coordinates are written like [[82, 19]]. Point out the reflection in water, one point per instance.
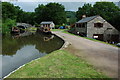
[[19, 50], [12, 44], [48, 38]]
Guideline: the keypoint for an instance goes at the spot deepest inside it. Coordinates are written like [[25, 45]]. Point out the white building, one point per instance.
[[49, 24]]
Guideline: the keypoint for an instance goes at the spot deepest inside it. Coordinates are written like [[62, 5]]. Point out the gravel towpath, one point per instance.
[[102, 56]]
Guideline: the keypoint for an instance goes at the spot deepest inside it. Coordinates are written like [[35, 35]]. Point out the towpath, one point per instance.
[[102, 56]]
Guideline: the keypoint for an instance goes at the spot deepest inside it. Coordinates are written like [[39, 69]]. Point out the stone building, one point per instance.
[[98, 28]]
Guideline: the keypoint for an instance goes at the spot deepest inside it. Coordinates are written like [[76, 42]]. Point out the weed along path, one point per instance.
[[102, 56]]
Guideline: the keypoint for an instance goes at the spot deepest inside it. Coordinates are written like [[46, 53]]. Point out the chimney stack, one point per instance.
[[83, 16]]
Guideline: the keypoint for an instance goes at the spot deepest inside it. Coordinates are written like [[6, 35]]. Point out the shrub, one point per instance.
[[7, 26], [57, 26]]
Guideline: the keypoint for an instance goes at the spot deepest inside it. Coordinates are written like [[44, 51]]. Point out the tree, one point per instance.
[[116, 21], [28, 17], [51, 12], [0, 17], [84, 10], [105, 9], [7, 25], [16, 13], [39, 12], [71, 17], [8, 11]]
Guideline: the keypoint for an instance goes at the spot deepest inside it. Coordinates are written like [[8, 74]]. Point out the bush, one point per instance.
[[71, 30], [57, 26], [7, 26]]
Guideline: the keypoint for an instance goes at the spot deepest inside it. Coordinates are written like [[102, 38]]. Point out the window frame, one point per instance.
[[98, 25]]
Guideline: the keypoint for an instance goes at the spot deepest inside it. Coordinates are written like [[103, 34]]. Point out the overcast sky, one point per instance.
[[30, 6], [61, 0], [70, 5]]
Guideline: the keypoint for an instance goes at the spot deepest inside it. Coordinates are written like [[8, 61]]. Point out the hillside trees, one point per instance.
[[71, 17]]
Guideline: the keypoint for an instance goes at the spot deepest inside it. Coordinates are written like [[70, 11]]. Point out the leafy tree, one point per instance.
[[84, 10], [28, 17], [0, 10], [116, 21], [19, 15], [39, 12], [7, 25], [12, 14], [8, 11], [9, 16], [15, 13], [51, 12], [105, 9]]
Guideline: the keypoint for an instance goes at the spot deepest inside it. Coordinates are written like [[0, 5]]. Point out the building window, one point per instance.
[[78, 25], [82, 25], [98, 25]]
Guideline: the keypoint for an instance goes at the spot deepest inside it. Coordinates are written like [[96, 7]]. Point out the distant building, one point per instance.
[[98, 28], [46, 26]]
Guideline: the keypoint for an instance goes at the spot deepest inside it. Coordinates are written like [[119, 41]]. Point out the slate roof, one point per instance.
[[87, 19], [46, 22]]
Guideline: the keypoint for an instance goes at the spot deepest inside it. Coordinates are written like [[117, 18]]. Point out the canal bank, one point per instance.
[[63, 47], [17, 51], [58, 64]]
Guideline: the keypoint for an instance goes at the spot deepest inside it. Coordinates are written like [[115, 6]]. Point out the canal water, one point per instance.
[[20, 49]]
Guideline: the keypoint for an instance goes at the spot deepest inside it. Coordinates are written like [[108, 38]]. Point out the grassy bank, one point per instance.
[[59, 29], [65, 31], [58, 64]]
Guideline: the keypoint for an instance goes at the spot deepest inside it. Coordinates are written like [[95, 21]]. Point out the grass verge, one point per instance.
[[65, 31], [59, 29], [58, 64]]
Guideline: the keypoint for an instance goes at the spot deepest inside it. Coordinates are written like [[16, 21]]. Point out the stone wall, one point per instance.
[[81, 29], [102, 30]]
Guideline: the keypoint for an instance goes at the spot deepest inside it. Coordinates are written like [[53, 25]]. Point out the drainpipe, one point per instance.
[[86, 29]]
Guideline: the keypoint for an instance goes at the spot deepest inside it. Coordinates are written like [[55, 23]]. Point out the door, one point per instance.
[[98, 36]]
